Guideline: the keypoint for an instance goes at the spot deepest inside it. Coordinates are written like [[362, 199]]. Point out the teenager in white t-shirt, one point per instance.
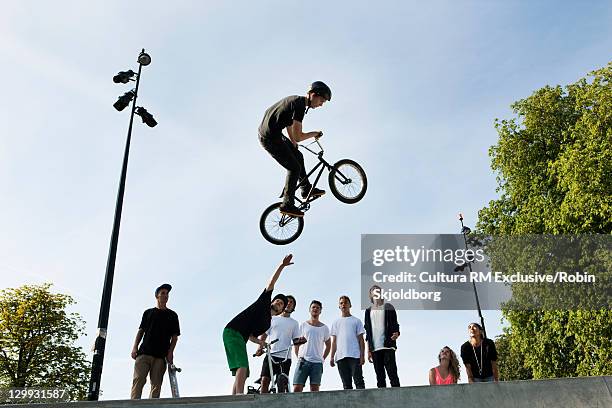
[[348, 346], [313, 352], [284, 329]]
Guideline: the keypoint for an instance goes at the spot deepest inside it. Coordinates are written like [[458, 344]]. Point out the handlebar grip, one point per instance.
[[272, 342]]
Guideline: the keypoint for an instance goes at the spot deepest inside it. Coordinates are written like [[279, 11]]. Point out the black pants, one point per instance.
[[283, 367], [385, 360], [290, 158], [350, 369]]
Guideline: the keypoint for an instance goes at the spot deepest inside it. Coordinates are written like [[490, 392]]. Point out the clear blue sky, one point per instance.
[[417, 86]]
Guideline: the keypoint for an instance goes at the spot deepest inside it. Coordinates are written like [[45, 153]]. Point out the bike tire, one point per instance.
[[282, 384], [275, 233], [348, 181]]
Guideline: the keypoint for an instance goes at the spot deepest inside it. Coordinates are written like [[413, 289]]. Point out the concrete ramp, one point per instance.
[[584, 392]]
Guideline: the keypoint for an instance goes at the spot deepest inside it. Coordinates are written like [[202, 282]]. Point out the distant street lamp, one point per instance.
[[123, 101]]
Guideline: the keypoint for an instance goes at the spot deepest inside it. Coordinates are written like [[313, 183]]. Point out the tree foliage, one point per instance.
[[554, 167], [37, 338]]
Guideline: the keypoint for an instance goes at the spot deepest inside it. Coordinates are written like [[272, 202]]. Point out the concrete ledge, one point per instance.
[[583, 392]]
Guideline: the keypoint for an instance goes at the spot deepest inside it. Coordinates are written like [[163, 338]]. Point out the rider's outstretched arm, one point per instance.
[[285, 262]]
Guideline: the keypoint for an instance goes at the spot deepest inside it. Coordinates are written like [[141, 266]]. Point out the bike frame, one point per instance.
[[322, 164], [275, 377], [274, 384]]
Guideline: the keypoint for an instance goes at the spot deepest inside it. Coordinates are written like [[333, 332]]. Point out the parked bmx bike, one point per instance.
[[347, 182], [280, 381]]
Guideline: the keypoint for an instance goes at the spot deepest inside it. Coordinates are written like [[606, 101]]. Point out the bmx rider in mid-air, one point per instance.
[[288, 113]]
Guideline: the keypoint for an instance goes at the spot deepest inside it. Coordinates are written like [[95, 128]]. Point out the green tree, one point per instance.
[[554, 170], [37, 338]]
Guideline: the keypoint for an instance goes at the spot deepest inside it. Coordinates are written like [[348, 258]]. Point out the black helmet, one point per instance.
[[319, 88]]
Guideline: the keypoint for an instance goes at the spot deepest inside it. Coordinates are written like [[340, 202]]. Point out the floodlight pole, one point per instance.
[[100, 343], [464, 233]]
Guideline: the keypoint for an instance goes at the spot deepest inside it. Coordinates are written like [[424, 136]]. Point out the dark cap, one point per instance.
[[166, 286], [281, 297]]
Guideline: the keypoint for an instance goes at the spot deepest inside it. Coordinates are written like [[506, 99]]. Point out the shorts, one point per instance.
[[307, 369], [277, 368], [235, 350]]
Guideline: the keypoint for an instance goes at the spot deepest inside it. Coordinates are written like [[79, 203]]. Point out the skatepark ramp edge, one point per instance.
[[582, 392]]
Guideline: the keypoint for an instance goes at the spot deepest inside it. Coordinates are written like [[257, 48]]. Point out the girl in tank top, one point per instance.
[[448, 370]]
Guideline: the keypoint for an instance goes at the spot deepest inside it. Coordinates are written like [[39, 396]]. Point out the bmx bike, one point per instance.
[[347, 182], [280, 381]]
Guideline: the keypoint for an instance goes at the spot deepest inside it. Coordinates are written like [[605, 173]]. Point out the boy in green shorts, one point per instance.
[[248, 325]]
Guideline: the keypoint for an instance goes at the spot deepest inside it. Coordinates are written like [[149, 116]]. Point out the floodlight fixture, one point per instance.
[[124, 100], [123, 77], [146, 117]]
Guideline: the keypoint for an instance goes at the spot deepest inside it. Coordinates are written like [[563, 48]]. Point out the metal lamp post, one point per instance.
[[465, 231], [100, 343]]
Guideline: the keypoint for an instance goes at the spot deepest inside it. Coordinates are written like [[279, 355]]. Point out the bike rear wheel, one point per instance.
[[347, 181], [278, 228]]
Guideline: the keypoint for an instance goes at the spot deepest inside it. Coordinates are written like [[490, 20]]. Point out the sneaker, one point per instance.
[[316, 192], [290, 209]]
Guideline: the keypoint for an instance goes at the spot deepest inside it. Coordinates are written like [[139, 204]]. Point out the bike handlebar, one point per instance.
[[267, 346], [320, 152]]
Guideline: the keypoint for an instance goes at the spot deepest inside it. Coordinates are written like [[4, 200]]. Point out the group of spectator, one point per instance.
[[347, 343]]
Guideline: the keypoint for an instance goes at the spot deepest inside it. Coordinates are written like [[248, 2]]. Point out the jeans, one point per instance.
[[385, 360], [288, 156], [307, 369], [350, 369]]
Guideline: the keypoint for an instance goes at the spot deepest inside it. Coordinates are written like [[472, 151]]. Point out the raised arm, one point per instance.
[[285, 262]]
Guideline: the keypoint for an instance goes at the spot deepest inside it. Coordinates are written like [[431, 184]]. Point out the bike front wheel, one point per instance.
[[278, 228], [347, 181]]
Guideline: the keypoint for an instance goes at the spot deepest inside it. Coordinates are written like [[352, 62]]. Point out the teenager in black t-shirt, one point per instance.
[[159, 330], [288, 113], [250, 323], [479, 356]]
